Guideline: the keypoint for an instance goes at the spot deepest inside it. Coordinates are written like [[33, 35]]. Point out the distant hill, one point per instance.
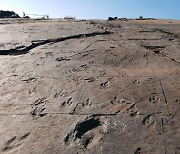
[[8, 14]]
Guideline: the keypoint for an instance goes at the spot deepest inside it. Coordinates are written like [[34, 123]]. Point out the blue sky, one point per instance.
[[96, 9]]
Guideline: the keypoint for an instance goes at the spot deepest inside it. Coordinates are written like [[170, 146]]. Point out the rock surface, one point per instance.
[[76, 87]]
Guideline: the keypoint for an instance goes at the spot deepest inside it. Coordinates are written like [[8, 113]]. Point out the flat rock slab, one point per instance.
[[89, 86]]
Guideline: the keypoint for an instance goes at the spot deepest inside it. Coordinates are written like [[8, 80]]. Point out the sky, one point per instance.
[[96, 9]]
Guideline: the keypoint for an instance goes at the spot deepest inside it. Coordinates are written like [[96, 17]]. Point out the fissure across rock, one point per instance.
[[26, 49]]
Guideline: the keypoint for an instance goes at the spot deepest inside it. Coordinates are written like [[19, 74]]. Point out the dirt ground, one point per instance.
[[86, 87]]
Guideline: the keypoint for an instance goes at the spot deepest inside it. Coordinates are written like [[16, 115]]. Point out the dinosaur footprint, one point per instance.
[[15, 142]]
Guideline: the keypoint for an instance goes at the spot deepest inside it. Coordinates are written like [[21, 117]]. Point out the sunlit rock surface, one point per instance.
[[75, 87]]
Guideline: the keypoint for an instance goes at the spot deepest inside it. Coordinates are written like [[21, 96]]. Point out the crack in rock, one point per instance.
[[166, 32], [26, 49], [153, 47]]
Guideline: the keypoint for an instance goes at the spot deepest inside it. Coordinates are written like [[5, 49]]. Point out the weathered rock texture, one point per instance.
[[75, 87]]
